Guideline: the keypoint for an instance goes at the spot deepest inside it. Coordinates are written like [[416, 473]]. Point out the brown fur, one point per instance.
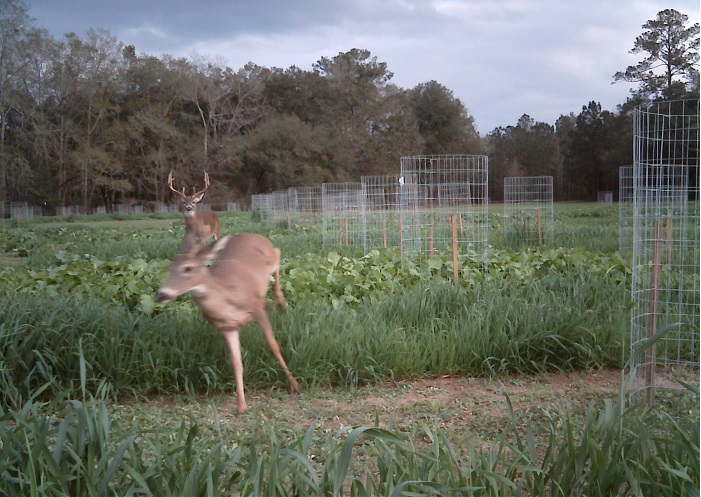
[[231, 292]]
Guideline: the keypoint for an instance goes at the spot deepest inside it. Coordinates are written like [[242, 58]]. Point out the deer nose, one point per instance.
[[162, 297], [188, 207]]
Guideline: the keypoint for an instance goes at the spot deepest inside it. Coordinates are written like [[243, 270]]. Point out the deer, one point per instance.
[[202, 224], [231, 291]]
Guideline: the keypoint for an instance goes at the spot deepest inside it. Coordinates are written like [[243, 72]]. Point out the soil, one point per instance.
[[447, 403]]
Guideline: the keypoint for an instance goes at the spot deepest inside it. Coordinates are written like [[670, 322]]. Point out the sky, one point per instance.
[[501, 58]]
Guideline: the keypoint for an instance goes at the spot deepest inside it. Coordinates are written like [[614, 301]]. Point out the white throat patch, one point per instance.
[[198, 291]]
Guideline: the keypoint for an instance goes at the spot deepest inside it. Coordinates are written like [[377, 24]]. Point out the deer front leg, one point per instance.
[[234, 343]]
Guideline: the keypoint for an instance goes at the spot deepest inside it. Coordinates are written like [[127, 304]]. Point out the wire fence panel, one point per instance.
[[665, 283], [604, 197], [625, 209], [529, 217], [20, 211], [381, 214], [305, 206], [261, 207], [343, 223], [438, 192], [280, 209]]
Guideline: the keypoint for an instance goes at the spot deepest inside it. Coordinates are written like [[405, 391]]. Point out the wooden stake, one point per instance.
[[669, 237], [430, 236], [340, 229], [650, 353], [455, 248], [384, 231], [399, 224]]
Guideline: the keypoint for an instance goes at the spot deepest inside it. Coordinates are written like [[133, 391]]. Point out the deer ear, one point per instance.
[[198, 198], [212, 250], [220, 243]]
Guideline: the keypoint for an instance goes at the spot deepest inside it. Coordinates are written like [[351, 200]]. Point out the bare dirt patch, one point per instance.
[[457, 407], [452, 404]]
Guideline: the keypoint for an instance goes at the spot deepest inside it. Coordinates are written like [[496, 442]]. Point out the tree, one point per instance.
[[97, 65], [597, 145], [284, 151], [357, 85], [668, 71], [528, 149], [15, 25], [443, 121]]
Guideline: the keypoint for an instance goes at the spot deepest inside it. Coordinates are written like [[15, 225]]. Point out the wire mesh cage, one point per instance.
[[342, 212], [665, 283], [261, 207], [625, 209], [279, 209], [604, 197], [305, 205], [443, 205], [529, 217], [20, 211], [381, 214]]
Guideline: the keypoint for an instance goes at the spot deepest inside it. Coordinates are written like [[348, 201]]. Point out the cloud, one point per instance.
[[502, 58]]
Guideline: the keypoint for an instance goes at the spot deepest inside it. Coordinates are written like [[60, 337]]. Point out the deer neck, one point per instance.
[[193, 220]]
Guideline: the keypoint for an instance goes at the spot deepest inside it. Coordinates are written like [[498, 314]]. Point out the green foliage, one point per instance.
[[129, 282], [335, 278], [671, 47], [82, 325], [78, 450]]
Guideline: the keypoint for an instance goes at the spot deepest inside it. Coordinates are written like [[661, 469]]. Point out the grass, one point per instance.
[[428, 330], [506, 386], [517, 436]]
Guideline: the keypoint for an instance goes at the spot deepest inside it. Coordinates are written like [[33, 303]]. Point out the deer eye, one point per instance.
[[187, 269]]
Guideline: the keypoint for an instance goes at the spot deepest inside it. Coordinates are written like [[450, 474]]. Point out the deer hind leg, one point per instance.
[[279, 297], [234, 343], [264, 323]]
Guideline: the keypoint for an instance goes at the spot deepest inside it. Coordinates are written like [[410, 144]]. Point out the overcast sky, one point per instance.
[[501, 58]]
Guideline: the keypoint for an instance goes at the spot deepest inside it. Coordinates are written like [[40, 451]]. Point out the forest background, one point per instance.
[[86, 120]]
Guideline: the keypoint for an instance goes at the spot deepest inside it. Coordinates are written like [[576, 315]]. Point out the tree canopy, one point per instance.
[[670, 67], [86, 120]]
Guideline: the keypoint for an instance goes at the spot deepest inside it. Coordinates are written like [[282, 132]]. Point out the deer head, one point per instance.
[[190, 201], [189, 271], [202, 224]]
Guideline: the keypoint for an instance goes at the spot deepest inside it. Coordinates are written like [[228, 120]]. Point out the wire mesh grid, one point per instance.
[[381, 214], [305, 205], [625, 209], [604, 197], [342, 215], [665, 284], [279, 209], [443, 204], [261, 207], [529, 217], [20, 211]]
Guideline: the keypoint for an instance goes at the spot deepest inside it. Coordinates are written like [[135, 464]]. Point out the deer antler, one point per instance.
[[206, 186], [170, 185]]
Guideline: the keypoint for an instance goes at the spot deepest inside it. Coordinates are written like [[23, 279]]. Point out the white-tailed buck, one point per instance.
[[202, 224], [231, 292]]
